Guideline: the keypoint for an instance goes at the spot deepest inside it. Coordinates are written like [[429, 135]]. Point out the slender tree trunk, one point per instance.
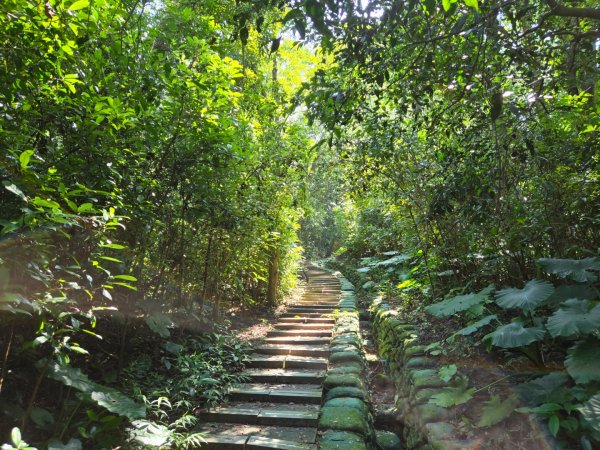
[[273, 277]]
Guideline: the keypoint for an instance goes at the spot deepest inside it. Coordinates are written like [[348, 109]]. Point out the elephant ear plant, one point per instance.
[[540, 320]]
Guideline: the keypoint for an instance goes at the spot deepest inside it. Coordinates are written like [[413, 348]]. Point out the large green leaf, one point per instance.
[[575, 269], [515, 335], [583, 361], [456, 394], [566, 291], [104, 396], [495, 410], [528, 298], [470, 329], [458, 303], [590, 412], [575, 317], [550, 388]]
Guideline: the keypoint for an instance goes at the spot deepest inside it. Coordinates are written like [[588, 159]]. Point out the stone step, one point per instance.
[[287, 362], [303, 326], [309, 310], [304, 314], [278, 416], [306, 320], [299, 332], [296, 376], [299, 350], [298, 340], [229, 436], [283, 393]]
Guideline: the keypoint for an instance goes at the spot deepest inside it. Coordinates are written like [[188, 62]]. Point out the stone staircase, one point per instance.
[[278, 408]]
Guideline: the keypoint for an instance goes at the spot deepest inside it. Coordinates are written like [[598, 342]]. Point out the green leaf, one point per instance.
[[159, 323], [583, 361], [15, 436], [85, 207], [109, 398], [11, 187], [554, 425], [575, 317], [551, 388], [566, 291], [590, 412], [125, 277], [495, 410], [515, 335], [42, 417], [115, 246], [575, 269], [456, 394], [533, 293], [25, 158], [458, 303], [110, 258], [78, 4], [472, 4], [117, 403], [447, 372], [446, 4], [470, 329]]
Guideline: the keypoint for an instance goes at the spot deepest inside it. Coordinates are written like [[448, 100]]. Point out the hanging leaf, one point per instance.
[[495, 410], [470, 329], [590, 412], [458, 303], [533, 293], [456, 394], [515, 335], [575, 317], [447, 372], [25, 158], [583, 361], [575, 269]]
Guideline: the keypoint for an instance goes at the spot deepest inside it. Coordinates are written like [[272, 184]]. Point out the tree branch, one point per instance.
[[564, 11]]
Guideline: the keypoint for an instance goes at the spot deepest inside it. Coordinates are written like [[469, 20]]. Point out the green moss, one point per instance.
[[387, 440], [345, 368], [420, 362], [348, 402], [347, 356], [347, 338], [334, 380], [341, 440], [346, 391], [343, 419]]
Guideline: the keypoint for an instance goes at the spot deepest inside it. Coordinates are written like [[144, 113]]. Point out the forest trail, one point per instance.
[[279, 406]]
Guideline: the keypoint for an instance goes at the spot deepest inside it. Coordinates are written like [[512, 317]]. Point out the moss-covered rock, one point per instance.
[[335, 380], [341, 440], [345, 368], [386, 440], [346, 391], [347, 338], [420, 362], [343, 419], [347, 356], [348, 402]]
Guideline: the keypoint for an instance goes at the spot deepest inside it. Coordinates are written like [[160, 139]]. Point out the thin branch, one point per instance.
[[556, 9]]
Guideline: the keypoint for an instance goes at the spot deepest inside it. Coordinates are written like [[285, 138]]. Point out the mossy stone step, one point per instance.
[[285, 376], [230, 435], [304, 314], [298, 340], [261, 443], [297, 350], [300, 332], [307, 320], [287, 362], [303, 326], [264, 416], [276, 396]]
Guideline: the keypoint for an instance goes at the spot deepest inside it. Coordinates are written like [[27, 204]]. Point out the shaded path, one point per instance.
[[279, 406]]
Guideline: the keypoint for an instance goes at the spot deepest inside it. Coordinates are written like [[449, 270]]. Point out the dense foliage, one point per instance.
[[151, 166], [158, 159]]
